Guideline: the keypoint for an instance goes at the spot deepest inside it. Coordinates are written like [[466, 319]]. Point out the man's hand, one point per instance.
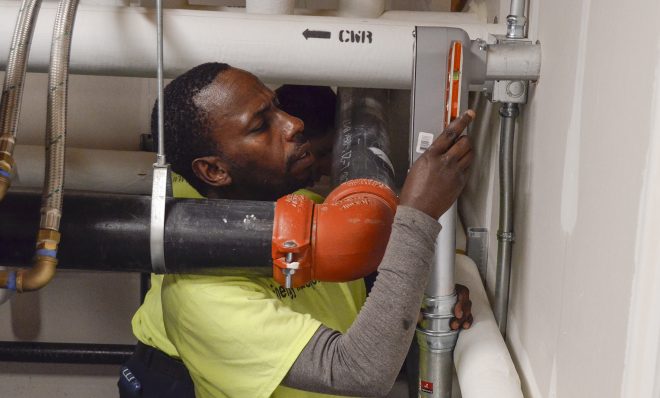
[[437, 178], [462, 309]]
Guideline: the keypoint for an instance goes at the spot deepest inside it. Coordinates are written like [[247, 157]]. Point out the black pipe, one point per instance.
[[79, 353], [111, 232], [362, 144]]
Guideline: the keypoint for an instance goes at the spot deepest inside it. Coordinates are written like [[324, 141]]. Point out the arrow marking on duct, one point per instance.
[[316, 34]]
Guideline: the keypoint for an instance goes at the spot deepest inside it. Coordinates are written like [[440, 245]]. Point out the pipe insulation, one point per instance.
[[483, 363], [271, 7], [128, 172], [277, 48]]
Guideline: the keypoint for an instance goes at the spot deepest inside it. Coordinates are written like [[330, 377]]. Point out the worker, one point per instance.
[[232, 336], [315, 106]]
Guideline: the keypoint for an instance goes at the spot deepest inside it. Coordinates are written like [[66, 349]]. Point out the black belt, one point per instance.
[[159, 361]]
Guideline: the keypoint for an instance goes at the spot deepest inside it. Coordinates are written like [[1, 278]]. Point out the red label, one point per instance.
[[426, 386]]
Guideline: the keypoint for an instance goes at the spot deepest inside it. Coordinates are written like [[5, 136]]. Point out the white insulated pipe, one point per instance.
[[483, 363], [118, 41], [97, 170], [270, 7], [361, 8]]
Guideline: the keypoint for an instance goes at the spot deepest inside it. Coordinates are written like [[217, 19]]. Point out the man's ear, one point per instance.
[[212, 170]]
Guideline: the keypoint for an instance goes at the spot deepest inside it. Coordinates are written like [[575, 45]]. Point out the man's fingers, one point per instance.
[[459, 149], [462, 292], [466, 160], [468, 322], [451, 132]]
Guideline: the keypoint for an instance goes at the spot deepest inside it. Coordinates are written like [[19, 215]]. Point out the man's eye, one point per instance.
[[261, 127]]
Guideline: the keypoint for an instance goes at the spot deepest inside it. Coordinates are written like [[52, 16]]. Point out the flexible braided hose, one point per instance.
[[58, 75], [12, 90]]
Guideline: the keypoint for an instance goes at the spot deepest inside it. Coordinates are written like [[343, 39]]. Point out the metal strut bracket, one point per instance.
[[161, 168], [157, 229]]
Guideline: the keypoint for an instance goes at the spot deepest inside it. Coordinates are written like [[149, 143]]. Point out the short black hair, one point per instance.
[[186, 126], [315, 105]]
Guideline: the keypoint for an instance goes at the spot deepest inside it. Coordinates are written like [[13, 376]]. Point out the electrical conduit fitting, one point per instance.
[[436, 344], [515, 26], [340, 240]]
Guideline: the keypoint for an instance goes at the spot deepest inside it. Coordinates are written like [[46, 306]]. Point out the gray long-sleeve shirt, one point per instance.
[[366, 359]]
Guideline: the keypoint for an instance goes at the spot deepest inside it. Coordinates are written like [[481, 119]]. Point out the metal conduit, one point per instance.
[[505, 235], [12, 91], [516, 23]]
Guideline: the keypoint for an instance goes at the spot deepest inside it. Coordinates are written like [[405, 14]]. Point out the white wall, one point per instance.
[[582, 154]]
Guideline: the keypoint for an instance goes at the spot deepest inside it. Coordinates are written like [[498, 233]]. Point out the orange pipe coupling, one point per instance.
[[340, 240]]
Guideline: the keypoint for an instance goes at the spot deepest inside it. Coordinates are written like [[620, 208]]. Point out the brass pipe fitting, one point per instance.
[[6, 165], [4, 186], [38, 276], [43, 268]]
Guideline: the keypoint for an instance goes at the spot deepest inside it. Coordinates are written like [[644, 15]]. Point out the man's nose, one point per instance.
[[293, 129]]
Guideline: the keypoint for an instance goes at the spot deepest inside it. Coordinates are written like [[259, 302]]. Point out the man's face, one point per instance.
[[266, 154]]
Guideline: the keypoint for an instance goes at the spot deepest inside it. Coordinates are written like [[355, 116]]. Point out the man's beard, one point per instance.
[[267, 184]]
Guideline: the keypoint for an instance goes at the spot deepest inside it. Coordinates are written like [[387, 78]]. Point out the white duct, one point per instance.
[[483, 363], [89, 169], [334, 51]]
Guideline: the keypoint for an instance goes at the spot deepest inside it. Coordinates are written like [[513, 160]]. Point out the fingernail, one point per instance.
[[470, 113]]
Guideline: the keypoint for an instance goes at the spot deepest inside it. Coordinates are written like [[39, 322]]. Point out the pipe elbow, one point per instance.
[[41, 273], [43, 266], [341, 240], [351, 230]]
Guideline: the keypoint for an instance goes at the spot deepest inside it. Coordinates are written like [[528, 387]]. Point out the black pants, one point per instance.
[[150, 373]]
